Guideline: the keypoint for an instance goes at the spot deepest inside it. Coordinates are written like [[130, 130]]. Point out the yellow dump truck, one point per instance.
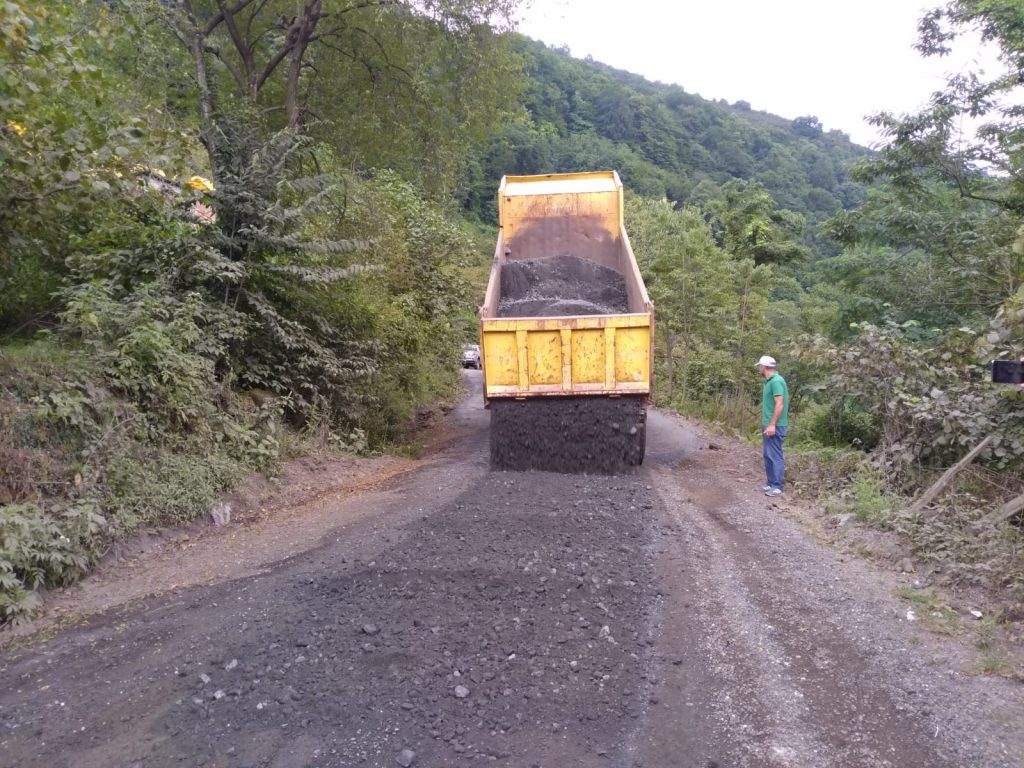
[[565, 328]]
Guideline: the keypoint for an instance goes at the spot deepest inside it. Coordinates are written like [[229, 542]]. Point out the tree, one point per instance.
[[808, 126], [933, 257], [941, 142], [65, 158], [689, 279], [752, 226]]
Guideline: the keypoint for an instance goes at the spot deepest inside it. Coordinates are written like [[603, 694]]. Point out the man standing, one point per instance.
[[774, 423]]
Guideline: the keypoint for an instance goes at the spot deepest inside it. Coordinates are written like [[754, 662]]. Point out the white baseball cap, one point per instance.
[[767, 361]]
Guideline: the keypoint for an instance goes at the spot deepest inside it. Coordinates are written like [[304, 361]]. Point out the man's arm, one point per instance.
[[769, 431]]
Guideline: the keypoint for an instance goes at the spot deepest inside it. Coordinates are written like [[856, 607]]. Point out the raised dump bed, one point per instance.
[[566, 315]]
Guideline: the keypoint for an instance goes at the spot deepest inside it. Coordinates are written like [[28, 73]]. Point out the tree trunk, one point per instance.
[[948, 477], [303, 35], [208, 127], [1005, 512]]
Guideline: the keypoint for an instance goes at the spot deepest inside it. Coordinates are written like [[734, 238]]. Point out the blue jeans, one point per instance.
[[774, 461]]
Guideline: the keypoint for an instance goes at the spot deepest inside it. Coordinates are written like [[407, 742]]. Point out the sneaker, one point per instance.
[[766, 488], [773, 492]]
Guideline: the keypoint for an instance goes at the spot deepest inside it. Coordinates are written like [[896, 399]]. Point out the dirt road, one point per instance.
[[460, 617]]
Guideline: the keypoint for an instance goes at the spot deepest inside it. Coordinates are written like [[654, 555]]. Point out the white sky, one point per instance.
[[840, 61]]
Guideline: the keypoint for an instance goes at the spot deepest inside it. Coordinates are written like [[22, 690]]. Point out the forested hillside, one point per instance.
[[664, 141], [234, 232]]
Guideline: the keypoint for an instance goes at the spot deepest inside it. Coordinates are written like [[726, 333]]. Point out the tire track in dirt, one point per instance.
[[803, 692]]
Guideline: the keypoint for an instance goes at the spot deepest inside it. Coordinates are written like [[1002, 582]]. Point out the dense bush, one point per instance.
[[146, 420], [840, 422], [923, 406]]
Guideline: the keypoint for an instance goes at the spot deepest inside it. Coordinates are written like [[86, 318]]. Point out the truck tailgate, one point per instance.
[[593, 355]]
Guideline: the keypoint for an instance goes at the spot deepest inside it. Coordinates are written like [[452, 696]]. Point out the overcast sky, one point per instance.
[[840, 61]]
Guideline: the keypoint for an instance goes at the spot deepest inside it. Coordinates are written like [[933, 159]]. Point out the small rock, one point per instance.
[[906, 565], [218, 694], [221, 513], [405, 758], [231, 665], [370, 629], [976, 613], [461, 691], [204, 677], [911, 616]]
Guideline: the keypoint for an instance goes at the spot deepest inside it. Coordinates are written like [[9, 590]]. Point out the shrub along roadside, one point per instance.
[[86, 463], [153, 396]]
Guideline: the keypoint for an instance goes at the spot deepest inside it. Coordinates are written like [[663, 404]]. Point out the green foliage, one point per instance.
[[180, 485], [838, 423], [189, 323], [711, 304], [867, 499], [39, 550], [934, 143], [64, 153], [664, 141], [933, 257], [930, 401], [752, 226], [414, 309], [145, 343], [131, 429]]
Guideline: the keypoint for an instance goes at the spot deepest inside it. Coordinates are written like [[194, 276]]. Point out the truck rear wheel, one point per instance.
[[592, 434]]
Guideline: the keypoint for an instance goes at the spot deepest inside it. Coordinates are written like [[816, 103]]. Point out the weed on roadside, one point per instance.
[[866, 499], [992, 658], [932, 612]]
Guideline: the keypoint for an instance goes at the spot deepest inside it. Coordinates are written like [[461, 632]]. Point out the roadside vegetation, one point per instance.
[[885, 315], [227, 227], [212, 246]]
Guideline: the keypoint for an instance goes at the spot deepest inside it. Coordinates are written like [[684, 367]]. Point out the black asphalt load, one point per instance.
[[560, 286], [508, 624], [592, 434]]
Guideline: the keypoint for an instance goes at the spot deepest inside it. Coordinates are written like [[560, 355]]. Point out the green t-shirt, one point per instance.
[[774, 386]]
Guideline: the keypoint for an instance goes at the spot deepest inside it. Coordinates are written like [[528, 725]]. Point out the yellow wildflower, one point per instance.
[[17, 128], [201, 184]]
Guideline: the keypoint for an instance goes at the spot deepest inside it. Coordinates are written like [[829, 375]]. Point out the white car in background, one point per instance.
[[471, 356]]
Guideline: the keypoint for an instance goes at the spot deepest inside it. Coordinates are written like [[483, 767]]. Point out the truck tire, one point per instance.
[[588, 434]]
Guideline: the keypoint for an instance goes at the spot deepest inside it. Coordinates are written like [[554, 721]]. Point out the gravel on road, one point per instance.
[[668, 618]]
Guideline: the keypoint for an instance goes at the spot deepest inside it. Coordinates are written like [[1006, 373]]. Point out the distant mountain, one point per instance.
[[663, 141]]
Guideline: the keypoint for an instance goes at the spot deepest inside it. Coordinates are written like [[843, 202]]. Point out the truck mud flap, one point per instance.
[[594, 435]]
